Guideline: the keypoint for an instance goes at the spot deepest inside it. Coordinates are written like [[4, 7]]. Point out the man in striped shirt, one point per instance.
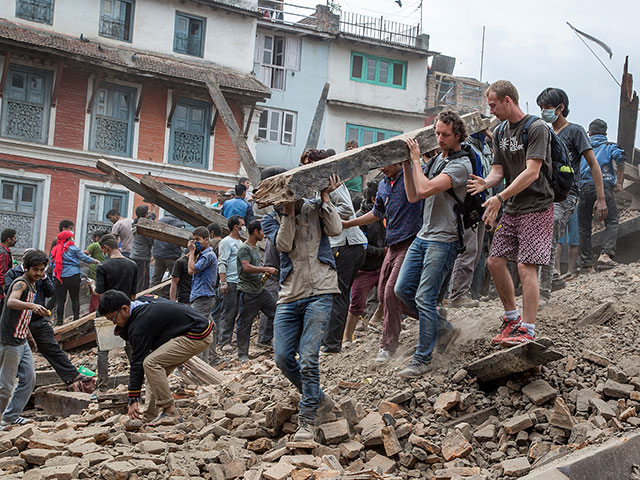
[[14, 326]]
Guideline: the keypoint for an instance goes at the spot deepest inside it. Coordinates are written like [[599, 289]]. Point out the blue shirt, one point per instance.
[[404, 219], [71, 261], [204, 281], [238, 206], [606, 153]]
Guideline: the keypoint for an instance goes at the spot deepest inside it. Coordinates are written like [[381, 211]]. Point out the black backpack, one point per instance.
[[561, 176], [469, 210]]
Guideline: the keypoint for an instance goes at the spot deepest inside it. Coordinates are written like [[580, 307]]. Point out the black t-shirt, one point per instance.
[[181, 270], [577, 142], [117, 274]]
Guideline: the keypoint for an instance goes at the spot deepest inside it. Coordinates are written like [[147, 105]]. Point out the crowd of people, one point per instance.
[[406, 237]]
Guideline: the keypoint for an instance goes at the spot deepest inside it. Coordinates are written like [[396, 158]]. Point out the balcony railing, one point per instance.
[[348, 23], [378, 29]]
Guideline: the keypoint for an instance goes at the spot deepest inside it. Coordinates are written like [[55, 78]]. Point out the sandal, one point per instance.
[[165, 419]]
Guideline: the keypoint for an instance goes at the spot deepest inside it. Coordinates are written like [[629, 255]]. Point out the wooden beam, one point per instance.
[[5, 72], [156, 192], [56, 86], [96, 83], [162, 232], [625, 228], [183, 204], [174, 103], [301, 181], [316, 123], [237, 138], [628, 114], [139, 107], [248, 126]]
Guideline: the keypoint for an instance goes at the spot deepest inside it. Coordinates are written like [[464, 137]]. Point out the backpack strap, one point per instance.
[[525, 132]]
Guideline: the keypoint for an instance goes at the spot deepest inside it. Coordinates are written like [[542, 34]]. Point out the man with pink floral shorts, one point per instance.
[[525, 231]]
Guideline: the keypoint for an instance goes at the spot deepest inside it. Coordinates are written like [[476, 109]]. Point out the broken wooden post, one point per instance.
[[599, 316], [183, 204], [628, 227], [513, 360], [174, 202], [298, 182], [162, 231], [63, 404], [204, 373], [628, 114], [237, 137], [316, 123]]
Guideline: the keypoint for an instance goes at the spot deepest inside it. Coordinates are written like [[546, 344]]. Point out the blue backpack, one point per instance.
[[561, 176]]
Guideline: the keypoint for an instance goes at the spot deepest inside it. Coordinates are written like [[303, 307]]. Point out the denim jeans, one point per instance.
[[425, 268], [10, 359], [298, 327], [561, 214], [585, 218], [26, 383]]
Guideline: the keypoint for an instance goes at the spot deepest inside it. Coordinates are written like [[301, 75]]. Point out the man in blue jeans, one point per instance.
[[308, 282], [432, 254]]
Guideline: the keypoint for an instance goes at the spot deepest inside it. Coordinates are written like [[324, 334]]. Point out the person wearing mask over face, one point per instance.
[[66, 269], [203, 266], [116, 273], [228, 249]]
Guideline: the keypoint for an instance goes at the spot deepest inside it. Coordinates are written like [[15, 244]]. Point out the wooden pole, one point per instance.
[[162, 232], [316, 123], [299, 182], [628, 114], [236, 134]]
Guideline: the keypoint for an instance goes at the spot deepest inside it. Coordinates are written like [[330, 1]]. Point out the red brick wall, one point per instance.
[[71, 110], [225, 157], [153, 122]]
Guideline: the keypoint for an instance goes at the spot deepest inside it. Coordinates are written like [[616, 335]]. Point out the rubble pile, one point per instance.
[[445, 426]]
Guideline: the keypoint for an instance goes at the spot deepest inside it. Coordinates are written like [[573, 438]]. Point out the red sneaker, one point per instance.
[[508, 326], [518, 336]]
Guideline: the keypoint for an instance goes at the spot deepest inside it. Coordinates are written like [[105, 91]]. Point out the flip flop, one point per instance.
[[165, 419]]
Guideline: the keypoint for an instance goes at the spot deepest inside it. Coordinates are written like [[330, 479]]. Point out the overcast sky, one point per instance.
[[530, 44]]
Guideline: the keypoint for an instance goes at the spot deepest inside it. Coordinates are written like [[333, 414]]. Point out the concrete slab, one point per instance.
[[513, 360], [611, 461]]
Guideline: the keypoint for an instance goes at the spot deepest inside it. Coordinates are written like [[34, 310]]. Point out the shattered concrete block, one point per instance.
[[595, 358], [602, 408], [446, 401], [47, 444], [388, 407], [38, 456], [351, 410], [486, 433], [451, 472], [583, 400], [455, 446], [517, 424], [614, 389], [302, 474], [260, 445], [627, 414], [351, 449], [152, 446], [516, 467], [61, 472], [97, 457], [237, 411], [370, 428], [332, 462], [335, 432], [390, 441], [235, 468], [539, 392], [380, 463], [561, 416], [275, 455], [280, 471], [402, 397], [424, 444], [117, 470]]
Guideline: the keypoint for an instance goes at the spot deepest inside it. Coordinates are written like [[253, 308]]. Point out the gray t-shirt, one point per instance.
[[577, 142], [509, 152], [439, 221]]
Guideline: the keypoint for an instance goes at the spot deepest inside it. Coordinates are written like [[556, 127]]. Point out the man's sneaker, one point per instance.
[[518, 336], [325, 352], [446, 336], [304, 433], [508, 326], [382, 357], [464, 301], [415, 370], [226, 348], [243, 359], [324, 409]]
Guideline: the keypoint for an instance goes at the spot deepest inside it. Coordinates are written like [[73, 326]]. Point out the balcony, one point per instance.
[[348, 24]]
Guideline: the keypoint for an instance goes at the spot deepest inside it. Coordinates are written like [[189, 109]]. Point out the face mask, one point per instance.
[[243, 229], [198, 247], [549, 115]]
